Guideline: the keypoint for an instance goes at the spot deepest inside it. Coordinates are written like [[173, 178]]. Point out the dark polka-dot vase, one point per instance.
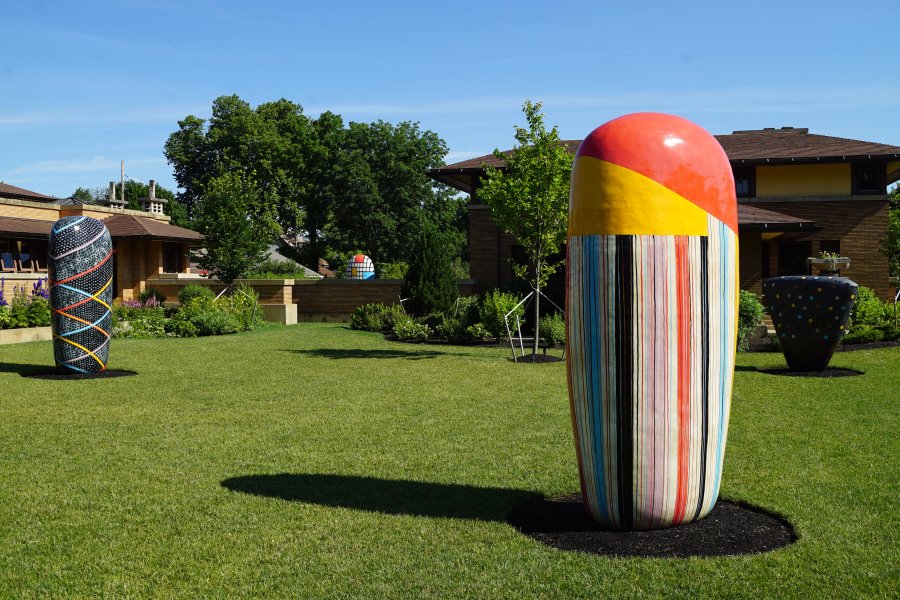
[[810, 315]]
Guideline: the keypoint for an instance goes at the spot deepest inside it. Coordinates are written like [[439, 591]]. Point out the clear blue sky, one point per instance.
[[84, 85]]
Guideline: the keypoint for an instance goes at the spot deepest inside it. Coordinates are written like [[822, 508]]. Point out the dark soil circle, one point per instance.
[[68, 375], [731, 529], [829, 372], [538, 358]]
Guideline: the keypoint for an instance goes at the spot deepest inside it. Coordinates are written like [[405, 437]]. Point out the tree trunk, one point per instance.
[[537, 310]]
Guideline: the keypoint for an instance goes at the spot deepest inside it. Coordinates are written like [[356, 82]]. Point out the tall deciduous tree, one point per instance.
[[237, 221], [334, 188], [530, 199]]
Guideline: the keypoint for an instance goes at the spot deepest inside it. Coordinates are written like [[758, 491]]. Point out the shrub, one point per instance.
[[368, 317], [450, 329], [467, 310], [194, 290], [243, 304], [890, 331], [868, 309], [477, 332], [206, 316], [409, 331], [553, 329], [430, 284], [493, 307], [140, 323], [750, 315], [5, 318], [863, 334], [151, 297]]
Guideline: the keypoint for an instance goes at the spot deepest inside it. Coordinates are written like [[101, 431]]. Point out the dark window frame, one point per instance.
[[748, 173], [878, 179]]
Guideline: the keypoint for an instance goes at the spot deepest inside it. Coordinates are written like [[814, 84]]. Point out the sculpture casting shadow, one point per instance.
[[344, 353], [24, 370], [396, 497]]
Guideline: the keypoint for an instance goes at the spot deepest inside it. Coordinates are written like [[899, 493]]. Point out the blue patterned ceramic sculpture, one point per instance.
[[81, 270], [810, 315]]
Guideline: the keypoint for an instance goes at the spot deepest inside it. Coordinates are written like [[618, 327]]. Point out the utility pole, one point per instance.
[[123, 182]]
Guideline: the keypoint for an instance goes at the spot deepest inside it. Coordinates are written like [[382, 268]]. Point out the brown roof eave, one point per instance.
[[807, 227], [813, 159]]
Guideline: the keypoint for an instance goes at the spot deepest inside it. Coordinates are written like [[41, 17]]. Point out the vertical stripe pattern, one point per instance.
[[651, 325]]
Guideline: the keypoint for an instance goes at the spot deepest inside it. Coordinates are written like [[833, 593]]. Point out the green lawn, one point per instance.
[[399, 466]]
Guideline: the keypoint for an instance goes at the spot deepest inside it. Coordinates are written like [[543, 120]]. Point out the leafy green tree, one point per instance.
[[238, 223], [429, 284], [83, 194], [530, 199], [891, 244], [333, 188]]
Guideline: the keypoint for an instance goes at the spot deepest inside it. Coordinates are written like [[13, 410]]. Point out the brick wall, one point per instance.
[[859, 226], [335, 299]]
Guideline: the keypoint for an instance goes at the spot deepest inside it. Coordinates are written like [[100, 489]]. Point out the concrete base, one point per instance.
[[26, 334], [286, 314]]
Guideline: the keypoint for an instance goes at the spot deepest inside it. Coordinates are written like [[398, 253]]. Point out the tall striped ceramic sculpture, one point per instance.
[[81, 269], [652, 291]]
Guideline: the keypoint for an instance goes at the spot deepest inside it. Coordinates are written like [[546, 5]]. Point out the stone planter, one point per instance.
[[829, 266], [810, 315]]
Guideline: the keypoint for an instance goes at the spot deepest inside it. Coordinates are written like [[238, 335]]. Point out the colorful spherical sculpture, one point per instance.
[[80, 272], [810, 315], [652, 291], [360, 267]]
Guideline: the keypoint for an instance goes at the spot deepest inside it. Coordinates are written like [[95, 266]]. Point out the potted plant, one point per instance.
[[828, 263]]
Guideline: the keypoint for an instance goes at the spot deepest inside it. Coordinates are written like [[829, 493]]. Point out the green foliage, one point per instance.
[[466, 310], [83, 194], [890, 246], [194, 290], [139, 322], [494, 305], [158, 298], [863, 334], [750, 316], [377, 317], [396, 270], [407, 330], [552, 329], [429, 285], [273, 269], [26, 311], [243, 304], [530, 199], [330, 187], [203, 316], [236, 217], [868, 309]]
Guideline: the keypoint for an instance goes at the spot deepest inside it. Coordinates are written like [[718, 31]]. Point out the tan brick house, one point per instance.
[[147, 247], [798, 193]]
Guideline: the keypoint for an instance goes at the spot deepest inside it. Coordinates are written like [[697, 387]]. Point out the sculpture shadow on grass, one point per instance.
[[359, 353], [24, 369], [396, 497]]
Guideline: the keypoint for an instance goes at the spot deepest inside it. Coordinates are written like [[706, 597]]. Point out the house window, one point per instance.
[[172, 262], [745, 182], [869, 178], [792, 258]]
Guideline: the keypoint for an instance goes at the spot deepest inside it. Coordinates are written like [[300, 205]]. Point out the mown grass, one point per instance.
[[376, 469]]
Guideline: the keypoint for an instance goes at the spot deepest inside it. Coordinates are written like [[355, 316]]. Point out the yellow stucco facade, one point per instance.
[[803, 180]]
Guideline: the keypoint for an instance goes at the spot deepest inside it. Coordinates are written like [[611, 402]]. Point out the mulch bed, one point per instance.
[[829, 372], [69, 375], [730, 529], [538, 358]]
